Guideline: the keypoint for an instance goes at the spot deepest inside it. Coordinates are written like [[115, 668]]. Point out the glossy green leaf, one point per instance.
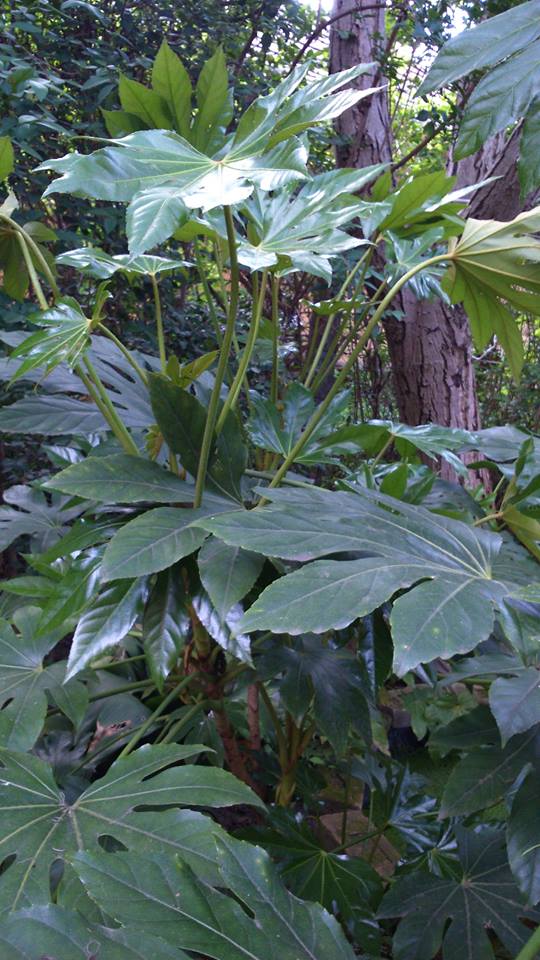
[[153, 541], [161, 894], [452, 611], [484, 45], [227, 573], [143, 103], [322, 676], [477, 728], [121, 478], [483, 777], [64, 336], [153, 216], [63, 933], [500, 98], [119, 123], [105, 623], [170, 80], [166, 623], [25, 682], [523, 838], [38, 824], [213, 102], [277, 427], [481, 896], [515, 702], [96, 263]]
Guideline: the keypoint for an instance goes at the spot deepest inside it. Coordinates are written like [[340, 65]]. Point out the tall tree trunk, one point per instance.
[[430, 347]]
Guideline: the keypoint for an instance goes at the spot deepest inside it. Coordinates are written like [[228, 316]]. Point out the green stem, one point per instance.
[[127, 353], [386, 446], [126, 688], [107, 409], [183, 722], [159, 323], [487, 519], [330, 322], [268, 475], [143, 729], [32, 272], [274, 384], [280, 736], [531, 950], [348, 365], [236, 385], [207, 292], [224, 352], [36, 251]]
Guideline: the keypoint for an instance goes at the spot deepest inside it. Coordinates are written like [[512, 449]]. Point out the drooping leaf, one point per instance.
[[153, 216], [227, 573], [39, 825], [482, 895], [450, 612], [161, 894], [166, 623], [105, 622]]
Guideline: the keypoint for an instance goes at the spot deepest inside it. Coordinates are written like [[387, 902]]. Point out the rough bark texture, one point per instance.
[[430, 348]]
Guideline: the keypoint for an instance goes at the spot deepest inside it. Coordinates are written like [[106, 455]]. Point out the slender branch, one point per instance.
[[105, 404], [345, 370], [159, 323], [143, 729], [127, 353], [32, 273], [224, 352], [236, 385]]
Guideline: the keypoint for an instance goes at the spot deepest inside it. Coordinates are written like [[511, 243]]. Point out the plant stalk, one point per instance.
[[159, 323], [348, 365], [274, 383], [236, 385], [531, 950], [105, 405], [143, 729], [224, 352]]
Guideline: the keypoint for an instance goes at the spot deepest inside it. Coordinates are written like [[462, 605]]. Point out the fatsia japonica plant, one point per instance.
[[192, 594]]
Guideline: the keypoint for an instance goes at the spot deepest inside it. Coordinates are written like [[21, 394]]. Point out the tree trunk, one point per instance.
[[430, 347]]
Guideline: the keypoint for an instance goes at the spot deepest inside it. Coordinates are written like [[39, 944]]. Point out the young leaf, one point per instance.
[[481, 896], [213, 102], [170, 80], [144, 892], [143, 103], [38, 825]]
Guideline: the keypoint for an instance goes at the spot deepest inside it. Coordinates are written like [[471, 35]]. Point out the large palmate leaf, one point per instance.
[[264, 151], [64, 933], [39, 824], [97, 263], [63, 337], [481, 896], [494, 267], [301, 231], [28, 513], [25, 682], [508, 44], [261, 922], [313, 673], [347, 886], [456, 569]]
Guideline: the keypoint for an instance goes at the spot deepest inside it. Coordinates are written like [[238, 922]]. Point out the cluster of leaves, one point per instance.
[[191, 593]]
